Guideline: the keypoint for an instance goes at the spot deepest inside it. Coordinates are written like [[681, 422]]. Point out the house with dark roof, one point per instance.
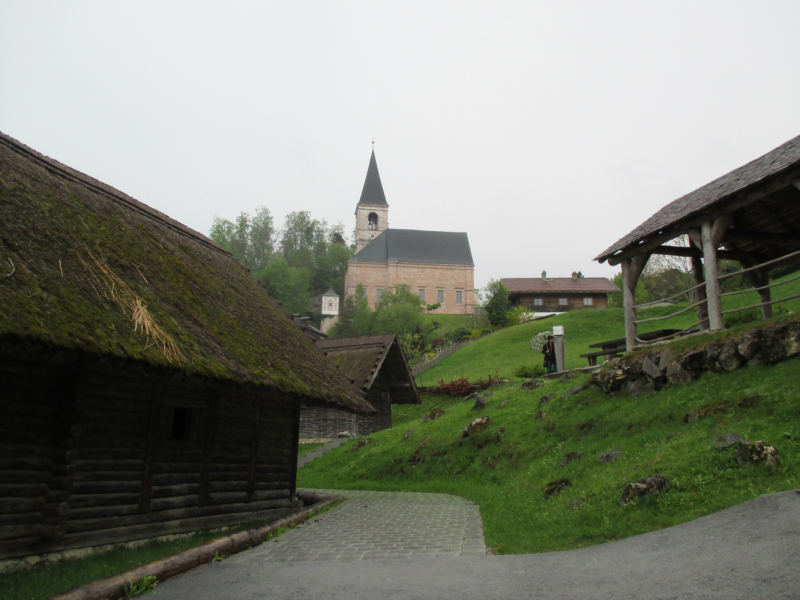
[[437, 265], [150, 386], [750, 215], [559, 294], [378, 366]]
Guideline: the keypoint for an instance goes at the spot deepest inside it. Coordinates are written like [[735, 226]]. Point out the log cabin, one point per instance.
[[378, 366], [559, 294], [148, 383]]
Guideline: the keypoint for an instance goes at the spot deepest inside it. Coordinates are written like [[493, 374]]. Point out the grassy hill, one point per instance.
[[503, 351]]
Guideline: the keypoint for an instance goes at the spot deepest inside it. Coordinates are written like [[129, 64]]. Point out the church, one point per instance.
[[437, 265]]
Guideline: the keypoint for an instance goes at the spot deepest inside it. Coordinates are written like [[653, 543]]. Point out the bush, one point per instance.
[[462, 333], [529, 372], [742, 317]]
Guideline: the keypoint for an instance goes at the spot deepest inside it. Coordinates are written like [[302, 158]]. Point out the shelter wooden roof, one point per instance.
[[762, 198], [87, 268], [366, 358]]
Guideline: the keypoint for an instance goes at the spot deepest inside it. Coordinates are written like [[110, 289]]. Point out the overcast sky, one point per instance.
[[545, 130]]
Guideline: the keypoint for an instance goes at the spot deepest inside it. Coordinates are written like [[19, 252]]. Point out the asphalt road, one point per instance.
[[750, 551]]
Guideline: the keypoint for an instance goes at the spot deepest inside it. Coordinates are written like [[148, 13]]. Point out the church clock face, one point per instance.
[[372, 235]]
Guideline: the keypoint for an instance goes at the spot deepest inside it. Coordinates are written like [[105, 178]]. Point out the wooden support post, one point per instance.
[[559, 348], [760, 278], [295, 441], [700, 293], [631, 271], [710, 265]]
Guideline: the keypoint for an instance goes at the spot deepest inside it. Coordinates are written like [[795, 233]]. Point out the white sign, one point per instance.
[[558, 330]]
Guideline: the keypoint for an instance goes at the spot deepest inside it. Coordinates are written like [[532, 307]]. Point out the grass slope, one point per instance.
[[505, 350], [506, 473]]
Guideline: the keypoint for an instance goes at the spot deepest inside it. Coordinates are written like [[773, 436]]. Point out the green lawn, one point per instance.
[[506, 473], [304, 449]]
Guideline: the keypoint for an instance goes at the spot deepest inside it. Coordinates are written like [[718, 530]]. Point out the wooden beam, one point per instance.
[[711, 213], [631, 271], [711, 273], [737, 235]]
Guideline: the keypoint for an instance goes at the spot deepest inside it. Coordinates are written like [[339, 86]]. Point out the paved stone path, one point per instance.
[[371, 525], [302, 461]]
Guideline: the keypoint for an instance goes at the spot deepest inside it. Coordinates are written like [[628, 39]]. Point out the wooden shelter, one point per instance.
[[378, 366], [149, 384], [751, 215]]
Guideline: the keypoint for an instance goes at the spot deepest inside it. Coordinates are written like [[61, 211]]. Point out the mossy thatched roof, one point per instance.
[[87, 268]]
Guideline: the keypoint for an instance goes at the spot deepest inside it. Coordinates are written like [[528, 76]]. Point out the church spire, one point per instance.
[[373, 189]]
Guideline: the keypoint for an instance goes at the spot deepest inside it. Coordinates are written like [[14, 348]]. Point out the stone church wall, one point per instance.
[[431, 278]]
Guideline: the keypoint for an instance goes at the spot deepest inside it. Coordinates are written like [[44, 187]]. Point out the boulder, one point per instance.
[[749, 344], [416, 457], [729, 358], [569, 457], [713, 353], [545, 399], [643, 385], [476, 426], [690, 416], [566, 377], [791, 339], [487, 394], [727, 440], [554, 488], [504, 403], [361, 443], [772, 348], [610, 379], [500, 381], [694, 360], [472, 396], [532, 384], [750, 401], [654, 484], [434, 414], [480, 402], [343, 434], [757, 453], [677, 375], [664, 359], [609, 457], [540, 416], [407, 434], [651, 368]]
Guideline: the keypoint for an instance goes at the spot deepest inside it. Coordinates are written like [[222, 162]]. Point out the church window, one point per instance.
[[440, 296], [372, 221], [458, 297], [562, 301], [587, 301], [538, 302], [422, 295], [378, 295]]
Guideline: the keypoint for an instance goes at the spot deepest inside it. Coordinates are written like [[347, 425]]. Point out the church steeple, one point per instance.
[[372, 210], [373, 188]]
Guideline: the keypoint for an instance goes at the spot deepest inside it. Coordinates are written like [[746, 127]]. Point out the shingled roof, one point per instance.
[[414, 246], [594, 285], [365, 358], [373, 188], [772, 164], [87, 268]]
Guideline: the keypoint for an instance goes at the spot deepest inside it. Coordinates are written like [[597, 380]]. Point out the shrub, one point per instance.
[[742, 317], [529, 372]]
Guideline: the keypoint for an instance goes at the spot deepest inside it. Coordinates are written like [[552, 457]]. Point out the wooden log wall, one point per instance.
[[321, 422], [382, 402], [88, 455]]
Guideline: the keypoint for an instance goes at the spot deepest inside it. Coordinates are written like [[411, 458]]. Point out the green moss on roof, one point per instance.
[[56, 221]]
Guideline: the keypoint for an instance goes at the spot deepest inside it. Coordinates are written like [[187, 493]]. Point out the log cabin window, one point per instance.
[[372, 221], [184, 423], [562, 301], [538, 302], [459, 297], [440, 296], [587, 301]]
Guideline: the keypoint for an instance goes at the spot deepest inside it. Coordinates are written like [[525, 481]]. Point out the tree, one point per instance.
[[250, 240], [288, 285], [497, 302], [355, 316]]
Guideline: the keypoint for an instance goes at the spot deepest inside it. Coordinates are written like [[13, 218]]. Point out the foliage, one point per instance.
[[497, 302], [505, 473], [432, 307], [517, 315], [303, 259], [399, 312], [355, 316], [146, 585], [529, 372], [742, 317]]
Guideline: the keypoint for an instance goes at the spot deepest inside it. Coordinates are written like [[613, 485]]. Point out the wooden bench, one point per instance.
[[614, 348]]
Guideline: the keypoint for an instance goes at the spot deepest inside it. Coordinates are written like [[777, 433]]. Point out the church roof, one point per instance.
[[373, 188], [331, 292], [414, 246]]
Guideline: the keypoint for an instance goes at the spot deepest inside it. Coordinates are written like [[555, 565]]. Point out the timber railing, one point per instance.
[[703, 300], [441, 354]]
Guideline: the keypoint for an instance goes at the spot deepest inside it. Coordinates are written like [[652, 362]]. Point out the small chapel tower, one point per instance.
[[372, 211]]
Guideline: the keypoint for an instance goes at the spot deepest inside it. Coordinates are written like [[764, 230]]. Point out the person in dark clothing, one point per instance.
[[549, 352]]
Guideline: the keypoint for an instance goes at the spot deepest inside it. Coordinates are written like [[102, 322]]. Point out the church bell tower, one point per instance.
[[372, 211]]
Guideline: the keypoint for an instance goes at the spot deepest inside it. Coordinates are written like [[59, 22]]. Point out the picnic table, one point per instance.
[[614, 348]]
